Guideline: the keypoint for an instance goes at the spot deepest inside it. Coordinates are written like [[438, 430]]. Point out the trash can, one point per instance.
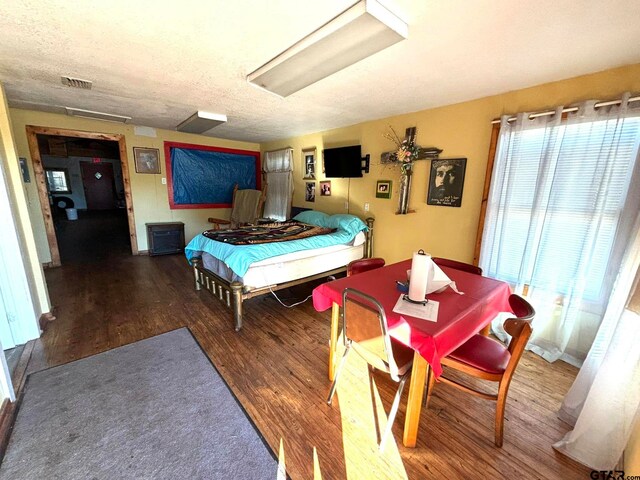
[[72, 213]]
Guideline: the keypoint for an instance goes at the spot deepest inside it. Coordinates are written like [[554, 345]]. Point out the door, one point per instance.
[[99, 190]]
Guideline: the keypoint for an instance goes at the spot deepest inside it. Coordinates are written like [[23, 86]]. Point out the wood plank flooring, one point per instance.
[[276, 366]]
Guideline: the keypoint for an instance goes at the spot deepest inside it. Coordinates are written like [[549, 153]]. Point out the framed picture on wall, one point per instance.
[[446, 181], [147, 160], [383, 189], [309, 163], [325, 188], [310, 192]]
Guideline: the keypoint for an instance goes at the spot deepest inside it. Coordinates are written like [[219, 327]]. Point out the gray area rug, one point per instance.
[[152, 409]]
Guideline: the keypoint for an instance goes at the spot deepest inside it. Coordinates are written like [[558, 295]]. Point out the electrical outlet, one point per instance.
[[346, 205], [366, 207], [164, 181]]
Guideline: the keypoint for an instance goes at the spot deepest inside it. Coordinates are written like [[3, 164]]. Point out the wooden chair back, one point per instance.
[[242, 214], [247, 205], [520, 330], [520, 327], [365, 324], [465, 267], [364, 265]]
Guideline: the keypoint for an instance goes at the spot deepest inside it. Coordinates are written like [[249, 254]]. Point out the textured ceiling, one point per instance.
[[160, 61]]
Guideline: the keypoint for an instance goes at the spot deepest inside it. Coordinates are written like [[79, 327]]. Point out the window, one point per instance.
[[278, 168], [564, 196], [58, 180], [557, 178]]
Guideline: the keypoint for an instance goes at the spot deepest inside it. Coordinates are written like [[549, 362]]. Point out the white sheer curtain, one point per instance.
[[559, 216], [604, 401], [278, 167]]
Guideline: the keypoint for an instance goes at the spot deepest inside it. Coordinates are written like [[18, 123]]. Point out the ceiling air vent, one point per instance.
[[76, 83]]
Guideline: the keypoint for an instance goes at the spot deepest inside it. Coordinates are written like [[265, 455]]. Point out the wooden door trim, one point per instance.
[[38, 170], [485, 193]]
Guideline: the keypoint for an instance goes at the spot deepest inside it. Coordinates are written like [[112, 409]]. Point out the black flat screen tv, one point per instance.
[[343, 162]]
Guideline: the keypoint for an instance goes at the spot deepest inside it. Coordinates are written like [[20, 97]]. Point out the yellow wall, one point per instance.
[[11, 167], [461, 130], [150, 200]]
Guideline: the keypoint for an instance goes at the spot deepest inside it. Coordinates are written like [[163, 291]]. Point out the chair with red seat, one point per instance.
[[465, 267], [364, 265], [487, 359], [367, 333]]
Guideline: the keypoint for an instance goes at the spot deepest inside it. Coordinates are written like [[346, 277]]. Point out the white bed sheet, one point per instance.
[[292, 266]]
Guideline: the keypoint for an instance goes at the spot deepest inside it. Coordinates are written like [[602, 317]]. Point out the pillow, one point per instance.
[[312, 217], [348, 223]]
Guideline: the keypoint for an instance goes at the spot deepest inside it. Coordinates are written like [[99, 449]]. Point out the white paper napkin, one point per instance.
[[440, 281]]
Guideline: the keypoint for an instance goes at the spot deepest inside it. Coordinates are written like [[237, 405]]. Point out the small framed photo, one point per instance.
[[310, 192], [383, 189], [147, 160], [309, 163], [325, 188], [446, 181]]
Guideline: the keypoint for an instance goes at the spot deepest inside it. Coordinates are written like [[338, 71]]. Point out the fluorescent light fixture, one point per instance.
[[362, 30], [201, 121], [109, 117]]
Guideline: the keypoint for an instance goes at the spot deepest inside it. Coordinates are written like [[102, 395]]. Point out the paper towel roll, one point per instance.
[[420, 270]]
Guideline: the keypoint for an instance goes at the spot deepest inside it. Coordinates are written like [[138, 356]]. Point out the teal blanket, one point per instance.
[[240, 257]]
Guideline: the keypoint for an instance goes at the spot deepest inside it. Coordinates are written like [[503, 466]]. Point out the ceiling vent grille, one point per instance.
[[76, 83]]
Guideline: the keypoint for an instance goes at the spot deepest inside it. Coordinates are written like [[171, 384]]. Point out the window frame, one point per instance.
[[66, 179]]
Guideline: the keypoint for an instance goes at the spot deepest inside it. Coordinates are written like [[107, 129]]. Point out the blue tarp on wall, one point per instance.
[[204, 176]]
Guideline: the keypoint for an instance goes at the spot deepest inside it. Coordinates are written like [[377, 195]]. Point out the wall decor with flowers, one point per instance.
[[406, 153]]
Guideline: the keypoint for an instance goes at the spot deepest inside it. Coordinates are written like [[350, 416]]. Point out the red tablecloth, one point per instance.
[[459, 316]]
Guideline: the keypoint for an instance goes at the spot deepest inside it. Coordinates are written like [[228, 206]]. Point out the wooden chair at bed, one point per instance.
[[246, 208]]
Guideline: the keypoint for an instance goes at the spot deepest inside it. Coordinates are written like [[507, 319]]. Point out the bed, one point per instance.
[[234, 273]]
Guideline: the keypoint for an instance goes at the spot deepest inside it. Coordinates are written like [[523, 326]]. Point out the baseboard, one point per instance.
[[9, 410], [143, 252]]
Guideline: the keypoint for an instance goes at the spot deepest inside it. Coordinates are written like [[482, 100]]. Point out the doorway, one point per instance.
[[84, 189]]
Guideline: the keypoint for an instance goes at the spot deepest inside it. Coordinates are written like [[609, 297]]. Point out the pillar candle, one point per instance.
[[420, 270]]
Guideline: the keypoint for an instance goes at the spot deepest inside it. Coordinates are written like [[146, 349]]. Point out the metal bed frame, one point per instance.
[[234, 293]]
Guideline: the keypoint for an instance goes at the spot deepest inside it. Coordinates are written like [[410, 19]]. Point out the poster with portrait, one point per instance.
[[309, 163], [325, 188], [310, 192], [446, 181]]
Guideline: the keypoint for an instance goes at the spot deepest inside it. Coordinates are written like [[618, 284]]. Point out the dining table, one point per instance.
[[461, 315]]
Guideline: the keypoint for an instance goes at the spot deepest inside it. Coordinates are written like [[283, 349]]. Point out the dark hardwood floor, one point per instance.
[[277, 368]]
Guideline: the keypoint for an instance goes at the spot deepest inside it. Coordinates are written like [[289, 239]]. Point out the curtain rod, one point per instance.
[[569, 109], [279, 149]]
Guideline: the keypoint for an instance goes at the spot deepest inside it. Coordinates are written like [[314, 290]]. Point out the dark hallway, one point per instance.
[[96, 236]]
